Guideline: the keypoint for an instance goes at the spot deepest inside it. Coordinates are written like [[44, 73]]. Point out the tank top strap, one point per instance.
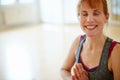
[[82, 39], [105, 52], [111, 47]]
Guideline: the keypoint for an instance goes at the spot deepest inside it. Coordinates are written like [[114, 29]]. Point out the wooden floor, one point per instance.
[[36, 52]]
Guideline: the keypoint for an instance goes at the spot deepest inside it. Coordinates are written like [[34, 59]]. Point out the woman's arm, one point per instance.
[[115, 62], [70, 60]]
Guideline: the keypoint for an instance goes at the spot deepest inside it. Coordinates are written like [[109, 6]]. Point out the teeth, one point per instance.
[[91, 27]]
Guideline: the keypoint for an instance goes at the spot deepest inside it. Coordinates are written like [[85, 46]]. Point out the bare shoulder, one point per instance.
[[74, 45], [76, 42], [77, 39], [116, 50], [115, 56]]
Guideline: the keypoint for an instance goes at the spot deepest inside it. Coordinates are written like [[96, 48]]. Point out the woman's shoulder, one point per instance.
[[116, 50], [78, 38], [115, 60], [76, 42], [117, 47]]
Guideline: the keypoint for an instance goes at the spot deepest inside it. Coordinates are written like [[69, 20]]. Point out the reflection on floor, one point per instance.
[[36, 52]]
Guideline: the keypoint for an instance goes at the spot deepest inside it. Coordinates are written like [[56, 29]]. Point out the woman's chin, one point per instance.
[[91, 35]]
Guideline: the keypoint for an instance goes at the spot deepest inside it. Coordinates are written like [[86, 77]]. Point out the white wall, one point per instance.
[[19, 14], [51, 11], [58, 11], [1, 65], [70, 11]]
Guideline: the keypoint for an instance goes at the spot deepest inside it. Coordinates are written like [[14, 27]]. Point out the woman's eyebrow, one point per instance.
[[83, 11], [97, 10]]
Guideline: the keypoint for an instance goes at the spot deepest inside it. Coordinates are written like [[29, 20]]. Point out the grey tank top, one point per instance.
[[101, 72]]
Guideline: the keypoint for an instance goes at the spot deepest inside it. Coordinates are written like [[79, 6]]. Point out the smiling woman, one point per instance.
[[92, 56], [92, 17]]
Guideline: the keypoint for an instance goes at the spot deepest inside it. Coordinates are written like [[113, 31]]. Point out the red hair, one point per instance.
[[94, 4]]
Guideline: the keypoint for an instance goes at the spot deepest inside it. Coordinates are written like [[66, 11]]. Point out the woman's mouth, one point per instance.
[[91, 27]]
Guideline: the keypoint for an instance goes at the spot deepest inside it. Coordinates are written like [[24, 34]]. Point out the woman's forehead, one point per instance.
[[85, 6], [92, 5]]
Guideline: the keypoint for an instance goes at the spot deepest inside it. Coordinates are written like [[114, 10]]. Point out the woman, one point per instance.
[[93, 56]]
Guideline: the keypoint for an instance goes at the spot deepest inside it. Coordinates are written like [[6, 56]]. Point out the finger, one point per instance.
[[82, 69], [86, 73], [83, 72], [74, 77], [79, 72], [76, 74], [84, 77], [79, 68]]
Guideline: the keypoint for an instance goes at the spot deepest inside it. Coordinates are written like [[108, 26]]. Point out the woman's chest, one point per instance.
[[91, 58]]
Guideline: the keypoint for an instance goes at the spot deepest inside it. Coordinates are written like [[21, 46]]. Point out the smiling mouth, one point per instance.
[[91, 27]]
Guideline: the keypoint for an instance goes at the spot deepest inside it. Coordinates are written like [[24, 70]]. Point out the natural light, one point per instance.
[[17, 62], [11, 2]]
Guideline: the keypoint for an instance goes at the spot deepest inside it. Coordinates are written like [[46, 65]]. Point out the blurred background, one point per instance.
[[35, 36]]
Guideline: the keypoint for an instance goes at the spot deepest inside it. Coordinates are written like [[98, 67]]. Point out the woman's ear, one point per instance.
[[107, 16]]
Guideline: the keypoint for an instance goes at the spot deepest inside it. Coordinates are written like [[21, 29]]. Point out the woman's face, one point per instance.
[[92, 20]]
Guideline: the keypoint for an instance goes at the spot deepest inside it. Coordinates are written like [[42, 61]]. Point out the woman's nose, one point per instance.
[[90, 19]]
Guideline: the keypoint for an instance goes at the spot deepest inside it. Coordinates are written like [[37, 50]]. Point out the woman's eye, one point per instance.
[[84, 14], [96, 13]]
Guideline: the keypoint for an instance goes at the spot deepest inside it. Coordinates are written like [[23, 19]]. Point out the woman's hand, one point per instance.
[[79, 73]]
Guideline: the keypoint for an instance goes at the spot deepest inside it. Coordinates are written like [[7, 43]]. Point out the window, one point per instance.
[[115, 10], [116, 7], [25, 1], [7, 2], [11, 2]]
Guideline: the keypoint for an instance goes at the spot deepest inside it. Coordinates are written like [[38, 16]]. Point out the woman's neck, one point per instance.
[[95, 42]]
